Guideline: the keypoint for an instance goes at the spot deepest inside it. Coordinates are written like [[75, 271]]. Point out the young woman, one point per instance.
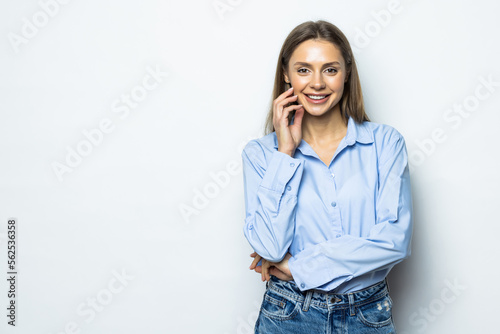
[[327, 195]]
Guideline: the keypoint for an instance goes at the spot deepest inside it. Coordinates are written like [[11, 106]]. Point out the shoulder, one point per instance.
[[389, 142], [260, 148], [383, 134]]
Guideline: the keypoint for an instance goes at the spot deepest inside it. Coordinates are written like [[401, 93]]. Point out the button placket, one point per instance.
[[334, 209]]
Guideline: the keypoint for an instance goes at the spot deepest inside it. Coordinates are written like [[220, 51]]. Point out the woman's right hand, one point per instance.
[[289, 136], [266, 269]]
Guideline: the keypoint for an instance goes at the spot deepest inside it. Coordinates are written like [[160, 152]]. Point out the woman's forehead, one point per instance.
[[316, 51]]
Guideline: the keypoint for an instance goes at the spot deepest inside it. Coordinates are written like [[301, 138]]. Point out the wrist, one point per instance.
[[288, 152]]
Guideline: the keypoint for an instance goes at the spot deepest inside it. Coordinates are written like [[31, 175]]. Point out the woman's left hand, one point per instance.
[[278, 269]]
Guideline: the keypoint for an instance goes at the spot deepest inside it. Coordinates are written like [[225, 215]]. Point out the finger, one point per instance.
[[268, 272], [281, 97], [284, 121], [290, 108], [297, 120], [299, 114], [283, 104], [283, 266], [278, 273], [283, 109], [281, 275], [255, 261], [284, 95], [287, 100], [279, 104], [265, 269]]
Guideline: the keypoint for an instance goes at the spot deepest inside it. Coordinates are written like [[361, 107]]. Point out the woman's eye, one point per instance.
[[302, 70], [331, 70]]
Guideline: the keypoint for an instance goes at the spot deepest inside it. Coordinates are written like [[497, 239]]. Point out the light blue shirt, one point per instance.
[[346, 224]]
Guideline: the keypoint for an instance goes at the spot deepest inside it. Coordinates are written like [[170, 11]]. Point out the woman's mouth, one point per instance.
[[316, 98]]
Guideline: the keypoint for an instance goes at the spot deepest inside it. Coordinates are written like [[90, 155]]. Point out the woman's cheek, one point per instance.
[[301, 99]]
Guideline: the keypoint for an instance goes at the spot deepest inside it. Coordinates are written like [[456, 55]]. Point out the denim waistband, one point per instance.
[[327, 300]]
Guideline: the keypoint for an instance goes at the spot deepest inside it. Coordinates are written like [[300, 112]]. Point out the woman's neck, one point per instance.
[[323, 130]]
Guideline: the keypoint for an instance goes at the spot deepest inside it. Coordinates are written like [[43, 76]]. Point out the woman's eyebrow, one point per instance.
[[301, 63]]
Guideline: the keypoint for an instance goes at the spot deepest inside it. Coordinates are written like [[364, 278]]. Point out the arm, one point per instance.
[[270, 200], [339, 260]]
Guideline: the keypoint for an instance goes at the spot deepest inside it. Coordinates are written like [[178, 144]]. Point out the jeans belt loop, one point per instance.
[[351, 304], [307, 300]]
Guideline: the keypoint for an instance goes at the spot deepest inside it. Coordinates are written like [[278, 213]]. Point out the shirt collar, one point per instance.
[[355, 133]]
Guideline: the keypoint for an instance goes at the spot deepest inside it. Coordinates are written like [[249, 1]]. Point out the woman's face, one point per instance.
[[317, 73]]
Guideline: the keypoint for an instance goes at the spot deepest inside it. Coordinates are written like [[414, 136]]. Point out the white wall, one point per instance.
[[118, 209]]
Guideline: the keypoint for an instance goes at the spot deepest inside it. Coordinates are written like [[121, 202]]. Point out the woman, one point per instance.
[[327, 195]]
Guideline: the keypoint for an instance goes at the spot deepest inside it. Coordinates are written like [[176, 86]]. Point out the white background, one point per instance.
[[119, 209]]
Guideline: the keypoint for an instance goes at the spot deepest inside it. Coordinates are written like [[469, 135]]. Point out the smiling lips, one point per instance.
[[316, 98]]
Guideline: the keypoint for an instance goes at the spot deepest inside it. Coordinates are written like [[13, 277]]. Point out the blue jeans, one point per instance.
[[285, 309]]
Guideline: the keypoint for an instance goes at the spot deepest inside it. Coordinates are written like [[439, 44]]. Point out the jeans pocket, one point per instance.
[[377, 313], [277, 307]]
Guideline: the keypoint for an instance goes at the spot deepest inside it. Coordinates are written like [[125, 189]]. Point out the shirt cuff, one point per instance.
[[280, 171], [310, 273]]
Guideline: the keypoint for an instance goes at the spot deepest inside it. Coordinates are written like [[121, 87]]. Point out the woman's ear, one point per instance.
[[285, 77]]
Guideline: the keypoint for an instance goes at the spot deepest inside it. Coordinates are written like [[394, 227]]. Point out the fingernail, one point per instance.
[[290, 88]]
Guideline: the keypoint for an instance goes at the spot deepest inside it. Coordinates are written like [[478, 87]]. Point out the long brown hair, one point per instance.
[[351, 103]]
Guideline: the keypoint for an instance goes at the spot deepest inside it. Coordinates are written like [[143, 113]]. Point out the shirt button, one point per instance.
[[334, 204], [288, 188], [333, 175], [292, 164], [250, 227], [338, 235], [302, 285]]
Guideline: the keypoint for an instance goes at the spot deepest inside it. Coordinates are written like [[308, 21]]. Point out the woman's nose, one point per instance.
[[317, 82]]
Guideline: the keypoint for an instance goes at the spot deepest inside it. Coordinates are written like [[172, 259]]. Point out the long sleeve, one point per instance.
[[338, 260], [270, 199]]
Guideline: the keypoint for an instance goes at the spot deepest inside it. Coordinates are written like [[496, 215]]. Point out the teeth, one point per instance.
[[316, 97]]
